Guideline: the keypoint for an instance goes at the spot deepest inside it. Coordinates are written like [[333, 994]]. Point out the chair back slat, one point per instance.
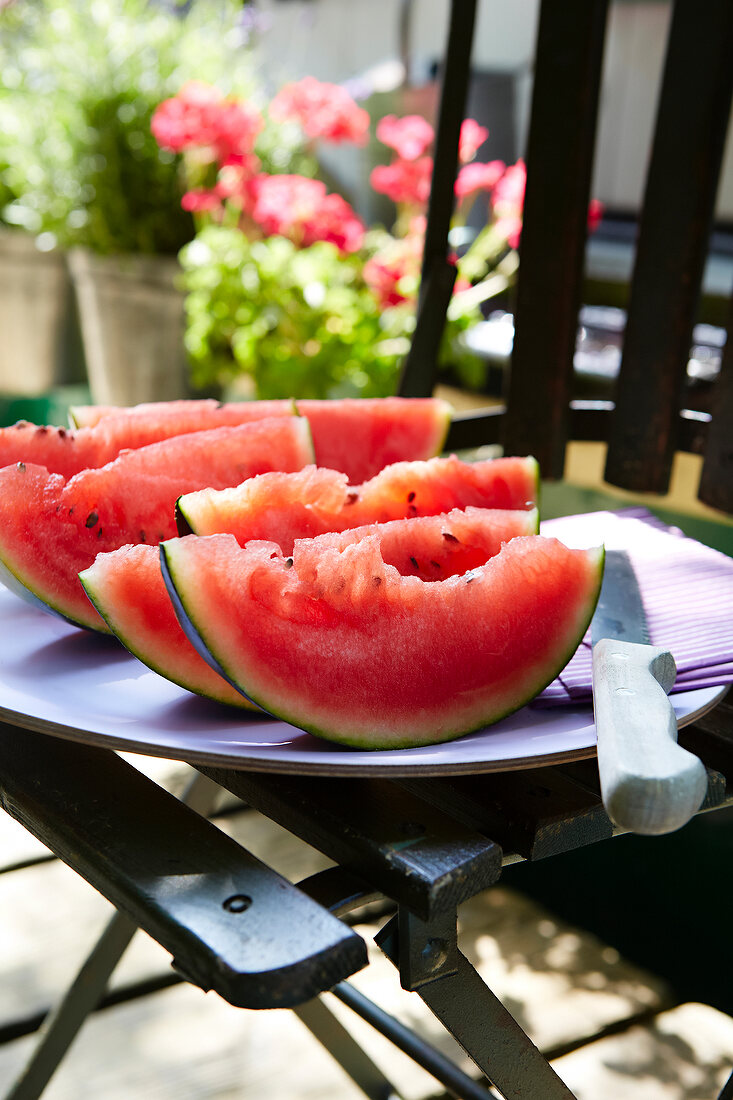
[[560, 147], [716, 482], [419, 372], [679, 201]]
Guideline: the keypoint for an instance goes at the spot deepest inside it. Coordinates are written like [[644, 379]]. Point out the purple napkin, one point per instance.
[[687, 590]]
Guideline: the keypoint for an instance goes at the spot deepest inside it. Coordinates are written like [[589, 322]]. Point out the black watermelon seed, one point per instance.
[[451, 538], [410, 497], [412, 510], [92, 519], [99, 532], [436, 564], [71, 510], [21, 467], [288, 563], [376, 581], [61, 433], [414, 562], [41, 429], [351, 498], [142, 536]]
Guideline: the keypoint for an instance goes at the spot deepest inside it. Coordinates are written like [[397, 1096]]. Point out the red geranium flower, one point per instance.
[[509, 190], [471, 139], [404, 181], [200, 201], [324, 111], [201, 117], [301, 209], [595, 213], [508, 201], [409, 136], [384, 272], [478, 176]]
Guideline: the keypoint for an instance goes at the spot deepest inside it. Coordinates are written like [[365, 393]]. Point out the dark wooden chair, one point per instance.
[[426, 845]]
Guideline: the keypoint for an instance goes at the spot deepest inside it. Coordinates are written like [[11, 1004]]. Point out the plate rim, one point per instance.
[[335, 760]]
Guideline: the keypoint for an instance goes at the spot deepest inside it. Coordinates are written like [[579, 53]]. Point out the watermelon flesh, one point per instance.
[[127, 588], [283, 507], [339, 642], [88, 416], [51, 529], [356, 435], [68, 452], [432, 547], [375, 432]]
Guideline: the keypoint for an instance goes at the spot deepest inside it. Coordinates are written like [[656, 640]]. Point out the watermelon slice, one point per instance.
[[88, 416], [356, 435], [51, 529], [67, 452], [283, 507], [362, 435], [127, 588], [336, 640]]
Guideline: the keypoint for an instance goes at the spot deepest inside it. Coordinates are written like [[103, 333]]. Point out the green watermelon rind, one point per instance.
[[537, 481], [545, 677], [88, 586], [190, 630], [447, 410], [14, 584]]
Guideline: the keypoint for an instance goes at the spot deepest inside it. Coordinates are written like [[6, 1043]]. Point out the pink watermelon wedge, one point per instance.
[[88, 416], [339, 642], [51, 528], [68, 452], [126, 586], [356, 435], [362, 435], [283, 507]]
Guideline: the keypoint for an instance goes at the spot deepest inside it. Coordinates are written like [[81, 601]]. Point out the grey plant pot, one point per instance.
[[132, 322], [34, 308]]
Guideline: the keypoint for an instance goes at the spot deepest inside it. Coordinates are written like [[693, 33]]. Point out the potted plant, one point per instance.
[[82, 170], [34, 303], [288, 292], [34, 285]]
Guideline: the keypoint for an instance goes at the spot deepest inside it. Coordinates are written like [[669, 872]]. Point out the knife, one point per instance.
[[649, 783]]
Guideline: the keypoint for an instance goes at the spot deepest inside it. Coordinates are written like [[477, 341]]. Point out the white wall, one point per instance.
[[336, 39], [636, 43]]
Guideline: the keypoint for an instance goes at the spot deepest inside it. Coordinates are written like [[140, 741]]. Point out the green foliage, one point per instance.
[[80, 82], [296, 321]]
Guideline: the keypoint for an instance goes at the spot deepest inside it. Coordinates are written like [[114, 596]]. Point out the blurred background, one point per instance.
[[93, 235]]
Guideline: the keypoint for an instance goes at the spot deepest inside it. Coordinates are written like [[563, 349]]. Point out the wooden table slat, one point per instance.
[[534, 813], [413, 853]]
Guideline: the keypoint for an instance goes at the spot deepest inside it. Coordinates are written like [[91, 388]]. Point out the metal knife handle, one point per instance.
[[649, 783]]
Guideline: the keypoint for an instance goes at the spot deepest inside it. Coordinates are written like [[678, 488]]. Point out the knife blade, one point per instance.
[[649, 783]]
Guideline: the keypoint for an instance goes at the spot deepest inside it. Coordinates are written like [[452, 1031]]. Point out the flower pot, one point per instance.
[[132, 321], [34, 306]]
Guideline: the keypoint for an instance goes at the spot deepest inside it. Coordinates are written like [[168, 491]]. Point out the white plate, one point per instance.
[[86, 687]]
